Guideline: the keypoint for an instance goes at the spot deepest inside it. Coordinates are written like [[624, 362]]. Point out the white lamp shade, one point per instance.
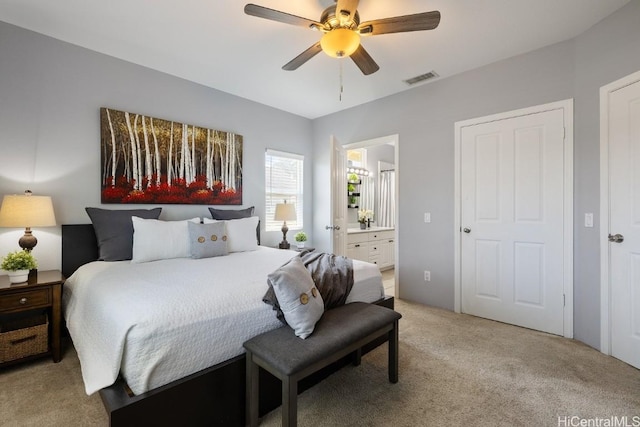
[[27, 211], [285, 212]]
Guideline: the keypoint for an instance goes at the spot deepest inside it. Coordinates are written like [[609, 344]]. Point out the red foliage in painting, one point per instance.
[[178, 182], [217, 187], [227, 197], [138, 196], [178, 192], [199, 184], [201, 196], [114, 194]]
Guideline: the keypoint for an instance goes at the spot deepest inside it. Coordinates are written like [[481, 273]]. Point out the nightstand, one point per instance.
[[43, 290]]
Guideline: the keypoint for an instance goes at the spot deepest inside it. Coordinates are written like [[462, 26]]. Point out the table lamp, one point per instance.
[[27, 211], [285, 212]]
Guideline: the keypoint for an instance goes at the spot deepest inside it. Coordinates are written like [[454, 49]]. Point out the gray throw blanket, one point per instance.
[[332, 275]]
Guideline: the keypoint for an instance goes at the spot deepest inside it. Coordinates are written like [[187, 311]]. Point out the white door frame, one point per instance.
[[395, 138], [567, 107], [605, 285], [338, 199]]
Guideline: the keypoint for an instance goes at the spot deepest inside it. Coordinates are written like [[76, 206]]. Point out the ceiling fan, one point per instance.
[[342, 30]]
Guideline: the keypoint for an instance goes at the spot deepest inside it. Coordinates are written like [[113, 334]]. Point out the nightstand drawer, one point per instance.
[[24, 300]]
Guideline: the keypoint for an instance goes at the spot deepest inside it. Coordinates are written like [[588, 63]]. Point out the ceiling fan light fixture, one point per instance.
[[341, 28], [340, 42]]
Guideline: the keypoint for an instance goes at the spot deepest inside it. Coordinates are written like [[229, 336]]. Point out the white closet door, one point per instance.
[[512, 179]]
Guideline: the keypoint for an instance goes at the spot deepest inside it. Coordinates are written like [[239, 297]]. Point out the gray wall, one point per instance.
[[50, 96], [424, 118]]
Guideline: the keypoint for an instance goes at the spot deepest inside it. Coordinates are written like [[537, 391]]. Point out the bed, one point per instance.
[[167, 381]]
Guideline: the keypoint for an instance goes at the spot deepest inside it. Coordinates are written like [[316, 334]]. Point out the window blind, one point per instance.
[[283, 181]]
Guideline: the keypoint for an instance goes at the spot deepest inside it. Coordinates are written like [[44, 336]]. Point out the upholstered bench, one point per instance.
[[340, 332]]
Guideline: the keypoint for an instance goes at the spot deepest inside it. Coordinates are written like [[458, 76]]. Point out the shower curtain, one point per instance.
[[367, 193], [386, 213]]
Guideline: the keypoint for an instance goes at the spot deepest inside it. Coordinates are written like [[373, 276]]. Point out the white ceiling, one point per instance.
[[215, 44]]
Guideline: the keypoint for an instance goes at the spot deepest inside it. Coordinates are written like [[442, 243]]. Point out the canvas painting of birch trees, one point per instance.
[[149, 160]]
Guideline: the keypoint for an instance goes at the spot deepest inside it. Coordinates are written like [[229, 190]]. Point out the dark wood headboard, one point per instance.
[[79, 247]]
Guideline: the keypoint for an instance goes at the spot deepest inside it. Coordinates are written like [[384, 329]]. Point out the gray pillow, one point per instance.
[[114, 231], [226, 214], [298, 297], [208, 240]]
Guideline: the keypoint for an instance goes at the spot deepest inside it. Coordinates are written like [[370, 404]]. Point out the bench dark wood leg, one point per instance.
[[393, 353], [252, 393], [289, 402], [357, 357]]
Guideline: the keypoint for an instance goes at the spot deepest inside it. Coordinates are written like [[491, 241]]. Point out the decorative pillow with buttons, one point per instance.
[[208, 240], [298, 297]]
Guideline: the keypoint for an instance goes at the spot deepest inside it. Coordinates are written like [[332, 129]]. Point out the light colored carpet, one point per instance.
[[389, 282], [455, 370], [460, 370], [44, 393]]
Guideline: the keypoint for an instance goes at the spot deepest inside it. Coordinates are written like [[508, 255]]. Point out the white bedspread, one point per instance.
[[160, 321]]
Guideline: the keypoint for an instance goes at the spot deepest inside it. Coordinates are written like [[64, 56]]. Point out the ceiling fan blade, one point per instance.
[[276, 15], [364, 61], [401, 24], [303, 57], [346, 9]]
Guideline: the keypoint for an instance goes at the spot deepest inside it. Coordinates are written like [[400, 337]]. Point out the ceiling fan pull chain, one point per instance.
[[341, 87]]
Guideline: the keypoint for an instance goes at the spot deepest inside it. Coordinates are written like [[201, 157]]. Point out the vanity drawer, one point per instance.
[[374, 249], [357, 237], [373, 245], [27, 299], [381, 235]]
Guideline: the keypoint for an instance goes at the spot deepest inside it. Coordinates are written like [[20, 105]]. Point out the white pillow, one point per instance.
[[154, 239], [241, 233]]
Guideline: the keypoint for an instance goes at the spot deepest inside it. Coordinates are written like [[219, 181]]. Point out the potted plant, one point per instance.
[[364, 218], [18, 264], [300, 237]]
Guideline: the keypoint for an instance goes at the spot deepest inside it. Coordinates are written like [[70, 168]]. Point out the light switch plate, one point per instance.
[[427, 217], [588, 220]]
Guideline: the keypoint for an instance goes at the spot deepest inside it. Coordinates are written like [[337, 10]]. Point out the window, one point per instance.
[[283, 181], [357, 157]]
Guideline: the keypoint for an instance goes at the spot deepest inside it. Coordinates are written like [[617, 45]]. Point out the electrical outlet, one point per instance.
[[427, 276]]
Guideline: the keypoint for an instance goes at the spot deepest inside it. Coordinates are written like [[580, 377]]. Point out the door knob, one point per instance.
[[332, 227], [616, 238], [466, 230]]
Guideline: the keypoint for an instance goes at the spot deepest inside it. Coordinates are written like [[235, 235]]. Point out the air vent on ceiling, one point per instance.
[[421, 78]]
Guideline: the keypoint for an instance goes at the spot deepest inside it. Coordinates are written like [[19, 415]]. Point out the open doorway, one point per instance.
[[372, 169]]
